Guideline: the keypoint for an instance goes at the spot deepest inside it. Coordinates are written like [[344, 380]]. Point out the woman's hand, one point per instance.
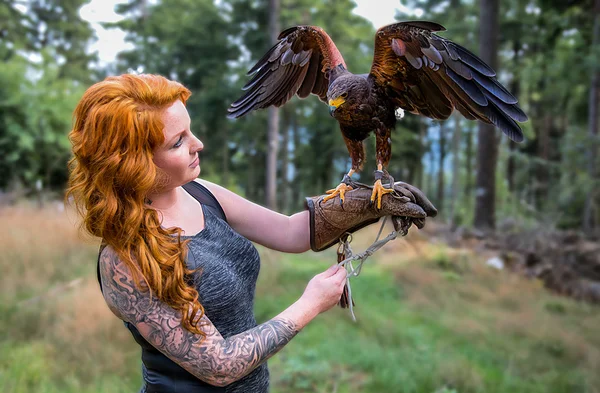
[[325, 289]]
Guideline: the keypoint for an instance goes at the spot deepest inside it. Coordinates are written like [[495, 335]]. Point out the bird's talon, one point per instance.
[[378, 192], [339, 190]]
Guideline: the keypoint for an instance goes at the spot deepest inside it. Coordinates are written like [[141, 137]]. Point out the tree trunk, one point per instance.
[[454, 192], [225, 156], [594, 100], [543, 152], [273, 121], [296, 192], [440, 179], [487, 148], [510, 166], [285, 160], [512, 146], [146, 49], [431, 174], [251, 176], [469, 165], [429, 178], [422, 173]]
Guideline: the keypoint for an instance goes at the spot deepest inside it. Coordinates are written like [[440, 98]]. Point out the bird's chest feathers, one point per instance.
[[357, 111], [354, 114], [366, 116]]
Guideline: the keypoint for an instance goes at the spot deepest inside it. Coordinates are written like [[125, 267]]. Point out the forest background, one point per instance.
[[545, 51]]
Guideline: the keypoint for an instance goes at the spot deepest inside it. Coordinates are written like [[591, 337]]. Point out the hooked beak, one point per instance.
[[333, 104]]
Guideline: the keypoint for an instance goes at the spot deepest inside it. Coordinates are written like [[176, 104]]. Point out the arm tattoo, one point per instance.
[[215, 360]]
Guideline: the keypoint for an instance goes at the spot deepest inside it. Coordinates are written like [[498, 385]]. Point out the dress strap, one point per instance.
[[206, 198]]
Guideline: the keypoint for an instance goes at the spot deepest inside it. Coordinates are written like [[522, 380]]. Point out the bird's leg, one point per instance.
[[384, 152], [341, 189], [378, 189], [356, 149]]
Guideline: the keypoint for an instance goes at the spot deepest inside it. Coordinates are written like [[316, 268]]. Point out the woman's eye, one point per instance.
[[179, 142]]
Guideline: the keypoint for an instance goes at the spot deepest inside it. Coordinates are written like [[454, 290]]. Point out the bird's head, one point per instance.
[[345, 91], [334, 103]]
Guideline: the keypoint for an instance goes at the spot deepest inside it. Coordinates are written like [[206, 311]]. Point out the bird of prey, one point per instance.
[[413, 69]]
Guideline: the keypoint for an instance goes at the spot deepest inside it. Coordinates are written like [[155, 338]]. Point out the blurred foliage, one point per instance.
[[546, 58], [44, 71]]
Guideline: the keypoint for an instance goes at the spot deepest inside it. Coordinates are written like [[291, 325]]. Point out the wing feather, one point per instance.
[[296, 64], [311, 76], [426, 74]]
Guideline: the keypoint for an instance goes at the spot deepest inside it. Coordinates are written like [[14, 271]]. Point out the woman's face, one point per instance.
[[178, 156]]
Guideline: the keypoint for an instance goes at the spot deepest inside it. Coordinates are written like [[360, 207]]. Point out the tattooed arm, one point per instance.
[[215, 360]]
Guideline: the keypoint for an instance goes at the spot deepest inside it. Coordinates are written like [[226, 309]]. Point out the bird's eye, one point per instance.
[[344, 95]]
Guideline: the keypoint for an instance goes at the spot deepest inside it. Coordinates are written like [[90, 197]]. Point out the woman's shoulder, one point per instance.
[[115, 276], [230, 202], [112, 266], [109, 260]]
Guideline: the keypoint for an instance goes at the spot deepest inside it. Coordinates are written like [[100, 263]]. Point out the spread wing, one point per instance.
[[426, 74], [297, 64]]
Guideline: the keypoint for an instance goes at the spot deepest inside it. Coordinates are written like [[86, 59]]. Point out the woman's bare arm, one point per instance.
[[215, 360], [261, 225]]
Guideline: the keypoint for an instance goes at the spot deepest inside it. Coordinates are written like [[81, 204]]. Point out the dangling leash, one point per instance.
[[345, 256]]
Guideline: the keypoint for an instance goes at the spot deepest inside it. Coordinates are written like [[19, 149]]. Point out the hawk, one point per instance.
[[413, 69]]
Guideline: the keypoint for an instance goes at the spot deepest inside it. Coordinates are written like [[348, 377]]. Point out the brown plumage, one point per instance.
[[413, 69]]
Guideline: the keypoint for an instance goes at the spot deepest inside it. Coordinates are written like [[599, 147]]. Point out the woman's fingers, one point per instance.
[[340, 275], [331, 271]]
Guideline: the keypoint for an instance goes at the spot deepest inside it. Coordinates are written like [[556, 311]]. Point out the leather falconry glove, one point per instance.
[[331, 220]]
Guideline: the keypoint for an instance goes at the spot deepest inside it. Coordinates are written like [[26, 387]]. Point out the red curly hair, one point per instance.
[[117, 126]]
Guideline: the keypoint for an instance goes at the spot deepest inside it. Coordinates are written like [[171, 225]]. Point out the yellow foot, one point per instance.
[[339, 190], [378, 192]]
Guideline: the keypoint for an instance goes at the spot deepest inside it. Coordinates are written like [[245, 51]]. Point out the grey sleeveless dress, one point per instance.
[[230, 265], [226, 284]]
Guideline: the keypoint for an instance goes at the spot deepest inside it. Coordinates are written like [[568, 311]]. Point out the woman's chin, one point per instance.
[[195, 172]]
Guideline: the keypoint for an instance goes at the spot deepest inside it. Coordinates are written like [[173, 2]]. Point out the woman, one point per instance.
[[177, 265]]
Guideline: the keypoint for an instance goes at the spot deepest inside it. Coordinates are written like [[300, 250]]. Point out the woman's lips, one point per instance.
[[195, 163]]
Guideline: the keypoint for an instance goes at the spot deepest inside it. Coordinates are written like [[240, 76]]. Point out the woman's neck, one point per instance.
[[163, 200]]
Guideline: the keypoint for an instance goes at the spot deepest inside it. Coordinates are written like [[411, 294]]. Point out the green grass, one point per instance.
[[426, 326], [429, 319]]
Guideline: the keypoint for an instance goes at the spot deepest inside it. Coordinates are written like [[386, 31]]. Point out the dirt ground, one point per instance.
[[566, 262]]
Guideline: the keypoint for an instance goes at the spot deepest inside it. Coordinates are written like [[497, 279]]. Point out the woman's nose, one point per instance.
[[198, 145]]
